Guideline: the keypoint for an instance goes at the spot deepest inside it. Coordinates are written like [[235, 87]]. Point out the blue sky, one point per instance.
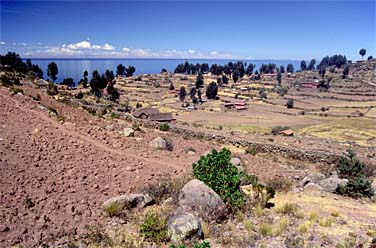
[[189, 29]]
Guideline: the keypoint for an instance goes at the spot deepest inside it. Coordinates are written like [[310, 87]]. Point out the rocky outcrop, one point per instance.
[[199, 199], [330, 184], [183, 226]]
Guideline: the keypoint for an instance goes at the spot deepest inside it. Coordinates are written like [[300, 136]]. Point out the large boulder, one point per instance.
[[199, 199], [129, 201], [158, 143], [183, 226], [312, 187], [330, 184]]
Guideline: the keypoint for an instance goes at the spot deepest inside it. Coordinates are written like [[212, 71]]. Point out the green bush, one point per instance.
[[216, 170], [164, 127], [154, 227], [15, 91], [351, 168]]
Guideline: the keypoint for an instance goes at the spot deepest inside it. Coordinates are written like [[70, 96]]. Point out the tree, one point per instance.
[[322, 71], [130, 70], [235, 75], [85, 80], [250, 69], [303, 65], [199, 80], [52, 71], [311, 65], [163, 70], [224, 79], [290, 68], [369, 58], [172, 86], [362, 52], [120, 70], [182, 94], [290, 103], [346, 72], [109, 75], [279, 77], [282, 69], [192, 92], [212, 90], [68, 82]]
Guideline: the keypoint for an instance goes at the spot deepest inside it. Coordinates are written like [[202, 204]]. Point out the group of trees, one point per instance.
[[13, 62], [121, 70], [189, 68]]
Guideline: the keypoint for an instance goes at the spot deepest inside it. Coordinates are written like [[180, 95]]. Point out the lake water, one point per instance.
[[75, 68]]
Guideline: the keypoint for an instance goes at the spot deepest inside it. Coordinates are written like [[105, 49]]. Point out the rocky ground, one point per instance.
[[59, 164]]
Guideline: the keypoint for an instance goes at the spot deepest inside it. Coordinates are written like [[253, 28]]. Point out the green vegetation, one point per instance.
[[52, 71], [164, 127], [326, 222], [289, 209], [52, 89], [113, 209], [154, 227], [212, 90], [290, 103], [15, 91], [362, 52], [217, 172], [351, 168]]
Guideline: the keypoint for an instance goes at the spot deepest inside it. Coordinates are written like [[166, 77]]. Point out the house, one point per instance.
[[228, 105], [41, 83], [153, 114], [239, 107], [287, 132]]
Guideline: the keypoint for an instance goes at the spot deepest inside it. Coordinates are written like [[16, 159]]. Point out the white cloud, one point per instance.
[[19, 44], [87, 49], [2, 43], [80, 45], [108, 47]]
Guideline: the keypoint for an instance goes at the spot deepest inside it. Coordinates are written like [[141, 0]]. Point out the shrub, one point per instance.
[[79, 95], [290, 103], [15, 91], [164, 127], [326, 222], [351, 168], [280, 227], [154, 227], [248, 225], [165, 189], [303, 228], [251, 150], [334, 213], [28, 202], [52, 89], [203, 244], [216, 170], [289, 209], [113, 209], [266, 229]]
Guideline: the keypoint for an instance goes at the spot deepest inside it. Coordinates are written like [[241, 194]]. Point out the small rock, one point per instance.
[[109, 127], [128, 132], [235, 161], [130, 201], [183, 226], [191, 153], [4, 228], [312, 187], [305, 181], [317, 177], [158, 143]]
